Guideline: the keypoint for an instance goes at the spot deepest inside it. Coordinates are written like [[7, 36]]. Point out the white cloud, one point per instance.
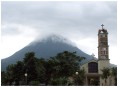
[[9, 45]]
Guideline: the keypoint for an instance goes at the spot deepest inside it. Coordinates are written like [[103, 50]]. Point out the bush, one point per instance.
[[34, 83], [59, 81]]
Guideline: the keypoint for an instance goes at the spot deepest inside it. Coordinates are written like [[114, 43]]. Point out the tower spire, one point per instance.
[[102, 26], [103, 44]]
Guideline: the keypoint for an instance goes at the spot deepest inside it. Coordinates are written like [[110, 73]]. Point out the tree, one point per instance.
[[3, 78], [30, 66], [51, 67], [62, 81], [55, 70], [79, 77], [41, 70], [68, 62], [18, 72], [64, 64], [114, 74], [10, 74], [105, 74]]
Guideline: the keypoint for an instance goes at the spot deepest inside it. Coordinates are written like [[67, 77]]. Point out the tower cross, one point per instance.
[[102, 26]]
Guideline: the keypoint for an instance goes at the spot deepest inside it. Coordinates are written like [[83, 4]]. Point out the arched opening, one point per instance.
[[93, 67]]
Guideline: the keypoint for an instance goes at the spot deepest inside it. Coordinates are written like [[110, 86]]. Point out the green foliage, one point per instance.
[[41, 70], [54, 71], [28, 56], [114, 73], [18, 72], [79, 79], [30, 66], [94, 81], [3, 78], [62, 81], [67, 62], [34, 83], [10, 74], [105, 73]]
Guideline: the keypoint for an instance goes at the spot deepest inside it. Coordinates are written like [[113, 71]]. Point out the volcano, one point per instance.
[[45, 48]]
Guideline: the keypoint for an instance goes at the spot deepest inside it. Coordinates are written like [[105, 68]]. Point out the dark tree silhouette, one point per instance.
[[105, 74]]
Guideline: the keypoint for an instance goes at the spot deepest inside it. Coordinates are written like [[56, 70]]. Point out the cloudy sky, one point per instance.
[[22, 22]]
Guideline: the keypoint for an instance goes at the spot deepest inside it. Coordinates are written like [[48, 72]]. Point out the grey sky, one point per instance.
[[77, 21]]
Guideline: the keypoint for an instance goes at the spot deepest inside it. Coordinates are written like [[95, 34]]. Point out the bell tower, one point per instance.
[[103, 51]]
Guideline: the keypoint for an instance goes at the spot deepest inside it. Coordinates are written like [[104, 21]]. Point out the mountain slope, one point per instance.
[[46, 48]]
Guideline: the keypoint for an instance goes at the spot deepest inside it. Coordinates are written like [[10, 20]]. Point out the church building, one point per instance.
[[93, 68]]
